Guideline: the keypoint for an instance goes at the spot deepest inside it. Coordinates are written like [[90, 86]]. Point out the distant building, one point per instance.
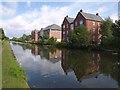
[[35, 35], [67, 25], [41, 32], [91, 21], [53, 31]]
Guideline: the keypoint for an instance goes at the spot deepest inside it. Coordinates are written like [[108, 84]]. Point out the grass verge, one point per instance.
[[13, 76]]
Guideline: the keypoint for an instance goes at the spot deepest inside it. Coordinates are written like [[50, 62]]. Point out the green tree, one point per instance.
[[79, 38], [106, 32], [2, 34], [106, 27], [51, 41], [45, 36], [116, 28], [116, 33]]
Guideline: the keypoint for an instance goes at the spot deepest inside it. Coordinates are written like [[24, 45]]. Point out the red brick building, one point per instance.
[[35, 35], [53, 31], [91, 21], [67, 25]]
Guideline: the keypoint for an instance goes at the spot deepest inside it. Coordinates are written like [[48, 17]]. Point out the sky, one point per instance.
[[18, 18]]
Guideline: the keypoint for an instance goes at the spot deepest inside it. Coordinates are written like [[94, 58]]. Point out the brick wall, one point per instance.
[[56, 34]]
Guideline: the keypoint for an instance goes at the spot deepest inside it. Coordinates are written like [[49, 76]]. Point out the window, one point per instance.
[[93, 38], [67, 31], [93, 30], [67, 25], [63, 32], [98, 24], [93, 23], [63, 26], [76, 23], [81, 22], [71, 26]]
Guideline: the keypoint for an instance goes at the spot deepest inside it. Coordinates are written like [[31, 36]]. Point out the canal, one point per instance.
[[49, 67]]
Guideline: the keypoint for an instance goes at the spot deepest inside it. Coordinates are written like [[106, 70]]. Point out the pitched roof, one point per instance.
[[70, 20], [53, 26], [36, 31], [91, 16]]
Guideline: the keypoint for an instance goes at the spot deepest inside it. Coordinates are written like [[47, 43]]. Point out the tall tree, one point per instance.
[[79, 38], [116, 28], [106, 27], [2, 34], [116, 34], [106, 32]]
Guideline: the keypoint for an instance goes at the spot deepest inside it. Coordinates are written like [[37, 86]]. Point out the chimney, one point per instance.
[[81, 10], [97, 14], [67, 16]]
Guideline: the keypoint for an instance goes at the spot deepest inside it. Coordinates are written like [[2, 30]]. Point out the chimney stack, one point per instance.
[[67, 16], [81, 10], [97, 14]]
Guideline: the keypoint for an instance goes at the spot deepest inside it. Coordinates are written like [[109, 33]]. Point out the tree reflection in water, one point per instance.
[[84, 64]]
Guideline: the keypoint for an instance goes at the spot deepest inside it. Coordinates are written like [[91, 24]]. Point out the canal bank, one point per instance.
[[13, 76]]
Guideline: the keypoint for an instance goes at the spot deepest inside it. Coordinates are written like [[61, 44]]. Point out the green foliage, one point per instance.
[[110, 33], [45, 36], [79, 38], [51, 41], [2, 34], [116, 28], [106, 32], [106, 27], [24, 38]]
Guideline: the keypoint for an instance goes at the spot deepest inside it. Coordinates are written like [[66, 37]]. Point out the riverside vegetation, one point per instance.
[[110, 39]]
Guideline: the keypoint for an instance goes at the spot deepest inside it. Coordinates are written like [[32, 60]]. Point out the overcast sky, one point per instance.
[[17, 18]]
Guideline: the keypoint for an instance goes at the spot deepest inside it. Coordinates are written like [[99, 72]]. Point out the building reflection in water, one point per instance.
[[35, 50], [55, 56], [84, 65]]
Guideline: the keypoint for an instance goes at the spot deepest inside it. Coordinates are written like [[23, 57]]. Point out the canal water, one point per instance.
[[49, 67]]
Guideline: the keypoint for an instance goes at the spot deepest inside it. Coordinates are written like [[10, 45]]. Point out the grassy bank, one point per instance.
[[0, 65], [13, 75]]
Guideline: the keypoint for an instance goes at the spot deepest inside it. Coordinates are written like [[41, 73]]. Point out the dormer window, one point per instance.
[[93, 23], [81, 22]]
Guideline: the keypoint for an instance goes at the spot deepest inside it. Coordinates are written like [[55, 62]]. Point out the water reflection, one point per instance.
[[84, 66], [73, 68]]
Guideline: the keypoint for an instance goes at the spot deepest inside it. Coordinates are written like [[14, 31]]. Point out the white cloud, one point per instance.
[[8, 9], [43, 16], [102, 9], [36, 19], [28, 3], [114, 17]]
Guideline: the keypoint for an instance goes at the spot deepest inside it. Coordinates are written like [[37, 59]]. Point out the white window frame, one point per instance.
[[63, 32], [71, 27], [67, 25], [63, 26], [93, 23], [81, 22], [93, 30], [93, 37], [76, 23], [98, 24]]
